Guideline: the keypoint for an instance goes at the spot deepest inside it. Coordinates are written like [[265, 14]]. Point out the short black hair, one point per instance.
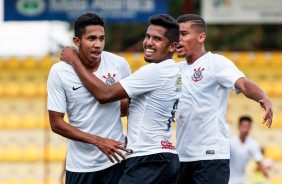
[[169, 23], [85, 20], [198, 22], [245, 118]]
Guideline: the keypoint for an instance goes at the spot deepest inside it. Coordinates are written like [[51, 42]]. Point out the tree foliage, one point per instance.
[[239, 37]]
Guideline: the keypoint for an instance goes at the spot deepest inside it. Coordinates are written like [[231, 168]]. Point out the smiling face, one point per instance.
[[91, 45], [156, 45]]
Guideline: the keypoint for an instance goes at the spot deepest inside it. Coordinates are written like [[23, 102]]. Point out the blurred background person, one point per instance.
[[243, 148]]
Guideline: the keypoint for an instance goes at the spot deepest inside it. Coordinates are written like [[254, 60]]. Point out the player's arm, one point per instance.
[[102, 92], [124, 105], [262, 169], [254, 92], [108, 146]]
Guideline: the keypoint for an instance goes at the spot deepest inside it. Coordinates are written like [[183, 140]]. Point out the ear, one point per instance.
[[172, 47], [76, 41], [202, 37]]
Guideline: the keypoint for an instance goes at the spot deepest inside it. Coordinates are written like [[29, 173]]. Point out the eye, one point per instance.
[[91, 38], [159, 39], [102, 38]]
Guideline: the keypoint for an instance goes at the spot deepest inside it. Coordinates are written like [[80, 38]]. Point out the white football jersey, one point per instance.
[[201, 123], [66, 94], [154, 90], [240, 154]]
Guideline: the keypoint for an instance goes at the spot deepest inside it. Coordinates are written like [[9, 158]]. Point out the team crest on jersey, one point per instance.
[[198, 75], [110, 79]]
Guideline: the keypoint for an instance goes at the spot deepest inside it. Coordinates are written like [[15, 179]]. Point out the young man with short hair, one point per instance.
[[95, 137], [242, 149], [202, 137], [154, 90]]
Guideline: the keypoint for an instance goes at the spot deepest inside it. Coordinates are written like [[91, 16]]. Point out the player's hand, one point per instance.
[[111, 148], [267, 119], [69, 55], [263, 169]]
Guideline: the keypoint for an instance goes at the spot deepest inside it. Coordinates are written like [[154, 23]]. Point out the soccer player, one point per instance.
[[94, 130], [242, 149], [202, 137], [154, 90]]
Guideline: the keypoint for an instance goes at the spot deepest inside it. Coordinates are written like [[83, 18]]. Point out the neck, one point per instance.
[[160, 60], [196, 55], [168, 56], [89, 65], [242, 138]]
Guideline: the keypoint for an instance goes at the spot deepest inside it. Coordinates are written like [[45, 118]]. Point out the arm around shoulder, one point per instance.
[[102, 92]]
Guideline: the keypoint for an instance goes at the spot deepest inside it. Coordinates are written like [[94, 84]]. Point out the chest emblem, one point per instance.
[[110, 79], [198, 75]]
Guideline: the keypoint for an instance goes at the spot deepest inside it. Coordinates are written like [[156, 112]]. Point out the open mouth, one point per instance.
[[179, 46], [95, 54]]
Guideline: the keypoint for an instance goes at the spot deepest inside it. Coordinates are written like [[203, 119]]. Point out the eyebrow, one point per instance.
[[95, 36]]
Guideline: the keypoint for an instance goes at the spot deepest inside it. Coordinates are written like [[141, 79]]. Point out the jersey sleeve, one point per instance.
[[225, 72], [144, 80], [125, 69], [56, 94], [255, 151]]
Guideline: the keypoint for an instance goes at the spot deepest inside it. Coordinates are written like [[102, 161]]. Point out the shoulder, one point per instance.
[[252, 141], [181, 64], [150, 67], [150, 70], [162, 69], [218, 57], [58, 71], [115, 60], [218, 62], [60, 68], [234, 139], [175, 66]]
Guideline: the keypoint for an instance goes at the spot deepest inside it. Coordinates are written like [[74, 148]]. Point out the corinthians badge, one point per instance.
[[198, 75], [110, 80]]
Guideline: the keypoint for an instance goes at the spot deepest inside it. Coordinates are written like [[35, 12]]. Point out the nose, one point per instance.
[[179, 39], [97, 44], [149, 42]]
